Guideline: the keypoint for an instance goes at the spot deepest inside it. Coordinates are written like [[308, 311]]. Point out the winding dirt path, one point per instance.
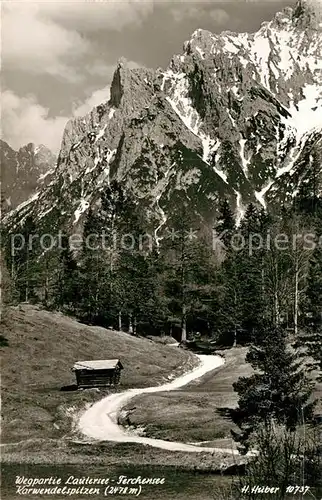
[[99, 422]]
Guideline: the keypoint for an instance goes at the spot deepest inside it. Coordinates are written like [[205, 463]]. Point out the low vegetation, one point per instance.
[[41, 349]]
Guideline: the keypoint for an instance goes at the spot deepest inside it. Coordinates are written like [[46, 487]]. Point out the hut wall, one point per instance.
[[97, 378]]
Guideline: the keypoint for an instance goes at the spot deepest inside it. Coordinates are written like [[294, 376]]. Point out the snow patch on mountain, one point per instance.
[[182, 105], [46, 212], [245, 162], [111, 113], [240, 208], [260, 195], [306, 117], [307, 113], [100, 133], [83, 206]]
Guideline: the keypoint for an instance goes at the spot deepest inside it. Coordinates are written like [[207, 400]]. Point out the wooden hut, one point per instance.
[[97, 373]]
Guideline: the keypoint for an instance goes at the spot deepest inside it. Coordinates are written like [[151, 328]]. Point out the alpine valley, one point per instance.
[[236, 116], [178, 235]]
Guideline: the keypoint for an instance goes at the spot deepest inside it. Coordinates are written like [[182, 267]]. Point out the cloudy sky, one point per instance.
[[58, 56]]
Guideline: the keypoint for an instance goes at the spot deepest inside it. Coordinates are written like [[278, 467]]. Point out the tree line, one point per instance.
[[193, 279]]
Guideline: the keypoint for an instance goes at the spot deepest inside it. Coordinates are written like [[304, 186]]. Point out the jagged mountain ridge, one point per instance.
[[23, 172], [235, 116]]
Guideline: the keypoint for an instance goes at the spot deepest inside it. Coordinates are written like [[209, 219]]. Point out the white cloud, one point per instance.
[[37, 45], [47, 36], [24, 121], [219, 16], [84, 15], [97, 97], [90, 16], [181, 12]]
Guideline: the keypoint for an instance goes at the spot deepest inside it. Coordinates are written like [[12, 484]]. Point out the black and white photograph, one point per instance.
[[161, 249]]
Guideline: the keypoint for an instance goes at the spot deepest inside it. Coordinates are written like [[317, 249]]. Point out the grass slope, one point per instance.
[[42, 348], [193, 414]]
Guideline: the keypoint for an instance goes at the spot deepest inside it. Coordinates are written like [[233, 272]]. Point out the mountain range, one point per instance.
[[235, 116], [24, 172]]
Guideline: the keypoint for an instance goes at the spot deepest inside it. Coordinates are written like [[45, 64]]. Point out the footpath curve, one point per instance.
[[100, 421]]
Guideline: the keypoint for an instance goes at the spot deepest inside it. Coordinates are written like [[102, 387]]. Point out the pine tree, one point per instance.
[[250, 265], [189, 278], [312, 337], [175, 248], [308, 199], [94, 271], [201, 284], [229, 312], [225, 224], [6, 291], [132, 286], [66, 287], [242, 297], [155, 312], [24, 265], [278, 392], [131, 276]]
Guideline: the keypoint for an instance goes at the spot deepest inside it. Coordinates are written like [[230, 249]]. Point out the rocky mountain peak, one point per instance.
[[118, 81], [200, 40], [24, 172], [131, 87], [308, 14], [235, 116], [28, 147], [34, 149]]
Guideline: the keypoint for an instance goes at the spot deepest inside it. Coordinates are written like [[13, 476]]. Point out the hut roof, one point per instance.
[[97, 364]]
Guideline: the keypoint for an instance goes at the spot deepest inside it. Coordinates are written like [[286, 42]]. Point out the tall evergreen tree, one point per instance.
[[250, 271], [225, 223], [308, 200], [312, 336], [230, 307], [66, 287], [188, 273], [24, 265], [278, 391]]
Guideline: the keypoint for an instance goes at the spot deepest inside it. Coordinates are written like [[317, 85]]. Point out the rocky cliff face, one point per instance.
[[235, 115], [23, 172]]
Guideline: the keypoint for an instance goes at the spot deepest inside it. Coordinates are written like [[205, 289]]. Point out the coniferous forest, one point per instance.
[[222, 282]]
